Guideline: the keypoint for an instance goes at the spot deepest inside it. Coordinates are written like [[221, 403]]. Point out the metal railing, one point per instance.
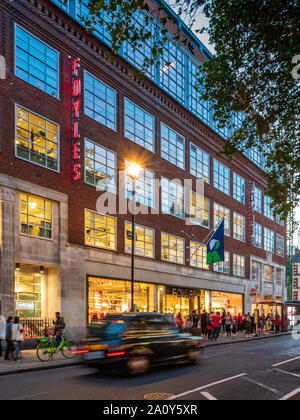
[[37, 327]]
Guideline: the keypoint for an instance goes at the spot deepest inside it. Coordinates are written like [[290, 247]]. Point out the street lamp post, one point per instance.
[[133, 171]]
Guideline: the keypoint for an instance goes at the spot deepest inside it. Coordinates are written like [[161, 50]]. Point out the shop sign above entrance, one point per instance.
[[76, 92]]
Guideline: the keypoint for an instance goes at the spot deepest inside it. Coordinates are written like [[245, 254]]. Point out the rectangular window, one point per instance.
[[223, 266], [268, 212], [198, 254], [172, 71], [221, 212], [28, 295], [279, 220], [172, 248], [238, 188], [238, 265], [221, 177], [100, 166], [36, 63], [172, 146], [268, 240], [144, 187], [199, 210], [100, 24], [139, 126], [257, 235], [257, 198], [198, 106], [100, 230], [172, 198], [280, 245], [37, 139], [199, 163], [239, 227], [99, 101], [144, 240], [35, 216], [143, 49], [279, 276]]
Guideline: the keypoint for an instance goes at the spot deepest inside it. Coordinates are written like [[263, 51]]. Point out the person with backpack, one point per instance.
[[203, 320], [18, 336], [209, 328], [10, 348]]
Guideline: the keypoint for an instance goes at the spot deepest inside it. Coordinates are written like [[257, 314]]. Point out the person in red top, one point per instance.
[[216, 320], [277, 323], [239, 322], [179, 320]]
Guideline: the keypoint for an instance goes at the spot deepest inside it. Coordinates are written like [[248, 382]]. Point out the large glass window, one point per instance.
[[279, 220], [227, 302], [238, 188], [100, 166], [257, 199], [239, 227], [100, 25], [280, 245], [36, 63], [144, 240], [139, 126], [172, 198], [198, 253], [99, 101], [268, 240], [268, 212], [172, 71], [221, 177], [142, 50], [238, 265], [257, 235], [199, 163], [198, 106], [144, 187], [100, 230], [28, 296], [223, 266], [37, 139], [221, 212], [172, 146], [35, 216], [199, 210], [172, 248]]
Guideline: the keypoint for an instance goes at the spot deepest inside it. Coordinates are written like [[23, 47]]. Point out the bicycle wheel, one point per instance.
[[68, 350], [43, 351]]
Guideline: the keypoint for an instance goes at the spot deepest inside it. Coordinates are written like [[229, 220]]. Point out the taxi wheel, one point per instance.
[[137, 365], [194, 356]]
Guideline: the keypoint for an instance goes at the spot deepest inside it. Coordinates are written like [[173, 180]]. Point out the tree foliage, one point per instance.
[[256, 44]]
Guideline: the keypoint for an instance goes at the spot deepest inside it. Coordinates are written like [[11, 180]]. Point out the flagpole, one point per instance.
[[206, 237]]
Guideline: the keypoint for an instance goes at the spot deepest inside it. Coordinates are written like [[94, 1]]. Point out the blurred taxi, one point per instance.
[[136, 341]]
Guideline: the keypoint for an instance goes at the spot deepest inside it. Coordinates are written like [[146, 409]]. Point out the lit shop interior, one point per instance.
[[113, 296]]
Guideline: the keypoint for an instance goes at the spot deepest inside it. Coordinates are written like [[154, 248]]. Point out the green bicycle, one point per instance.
[[47, 349]]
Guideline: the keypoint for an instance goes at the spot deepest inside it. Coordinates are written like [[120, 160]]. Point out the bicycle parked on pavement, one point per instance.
[[46, 348]]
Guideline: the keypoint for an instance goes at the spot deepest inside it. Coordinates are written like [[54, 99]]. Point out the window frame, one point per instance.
[[161, 249], [195, 174], [168, 140], [115, 249], [234, 266], [144, 227], [237, 187], [215, 161], [239, 217]]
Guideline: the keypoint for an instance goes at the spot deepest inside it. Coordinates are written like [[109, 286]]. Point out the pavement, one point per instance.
[[30, 362]]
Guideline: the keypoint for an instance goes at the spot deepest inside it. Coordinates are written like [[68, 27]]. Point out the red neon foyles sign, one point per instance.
[[76, 91]]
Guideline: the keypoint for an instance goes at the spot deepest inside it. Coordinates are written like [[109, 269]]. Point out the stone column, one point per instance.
[[7, 263]]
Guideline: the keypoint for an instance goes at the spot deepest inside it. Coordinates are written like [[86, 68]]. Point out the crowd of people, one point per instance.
[[212, 324], [11, 332]]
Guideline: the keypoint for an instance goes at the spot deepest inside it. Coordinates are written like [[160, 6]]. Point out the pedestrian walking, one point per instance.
[[247, 323], [179, 320], [2, 333], [228, 323], [268, 325], [277, 323], [59, 325], [223, 322], [209, 328], [10, 348], [239, 322], [234, 326], [203, 320], [216, 322], [195, 319], [18, 337]]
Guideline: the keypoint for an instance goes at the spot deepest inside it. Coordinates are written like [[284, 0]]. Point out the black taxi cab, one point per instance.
[[136, 341]]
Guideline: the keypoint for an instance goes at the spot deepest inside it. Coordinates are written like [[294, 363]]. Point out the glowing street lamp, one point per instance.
[[133, 171]]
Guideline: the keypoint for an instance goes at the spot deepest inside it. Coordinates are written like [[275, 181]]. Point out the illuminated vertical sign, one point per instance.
[[250, 213], [76, 97]]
